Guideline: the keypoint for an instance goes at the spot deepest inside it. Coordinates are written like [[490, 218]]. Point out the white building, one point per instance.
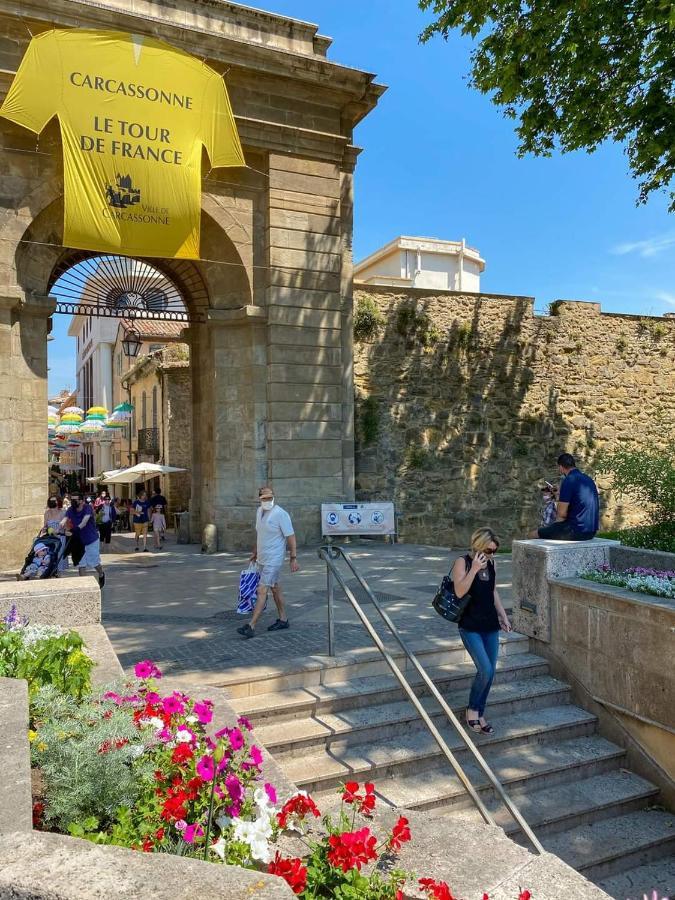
[[95, 338], [423, 263], [119, 283]]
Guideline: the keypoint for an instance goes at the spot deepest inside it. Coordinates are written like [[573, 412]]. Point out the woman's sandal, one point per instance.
[[473, 724], [487, 728]]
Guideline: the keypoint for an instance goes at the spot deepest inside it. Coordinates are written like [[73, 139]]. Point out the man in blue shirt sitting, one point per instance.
[[578, 505]]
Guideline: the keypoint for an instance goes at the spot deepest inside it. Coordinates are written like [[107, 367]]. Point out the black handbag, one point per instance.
[[447, 604]]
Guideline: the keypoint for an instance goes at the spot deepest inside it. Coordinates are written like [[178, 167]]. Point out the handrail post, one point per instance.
[[330, 593]]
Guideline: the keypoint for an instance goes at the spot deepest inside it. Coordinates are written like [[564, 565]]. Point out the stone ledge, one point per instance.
[[54, 867], [54, 601], [16, 807]]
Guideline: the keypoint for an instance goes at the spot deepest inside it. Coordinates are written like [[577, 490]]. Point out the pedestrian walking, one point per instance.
[[105, 519], [159, 500], [141, 517], [578, 508], [480, 624], [274, 534], [81, 520], [54, 523], [158, 525]]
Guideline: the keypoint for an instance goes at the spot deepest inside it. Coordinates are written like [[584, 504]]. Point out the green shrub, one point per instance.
[[69, 744], [647, 475], [367, 319], [44, 655], [416, 324], [417, 458], [649, 537]]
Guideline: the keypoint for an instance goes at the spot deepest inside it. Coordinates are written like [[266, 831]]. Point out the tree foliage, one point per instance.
[[576, 73], [647, 475]]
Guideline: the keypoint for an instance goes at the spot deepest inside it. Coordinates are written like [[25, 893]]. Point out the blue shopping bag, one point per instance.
[[248, 589]]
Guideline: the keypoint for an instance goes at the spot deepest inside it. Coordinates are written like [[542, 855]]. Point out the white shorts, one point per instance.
[[269, 573], [92, 555]]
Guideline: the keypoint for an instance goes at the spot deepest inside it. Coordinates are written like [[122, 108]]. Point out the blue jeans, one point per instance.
[[483, 648]]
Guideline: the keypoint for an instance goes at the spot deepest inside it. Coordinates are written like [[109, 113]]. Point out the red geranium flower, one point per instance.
[[439, 890], [291, 870], [297, 807], [365, 802], [352, 849], [174, 806], [38, 812], [181, 753], [147, 846], [525, 895], [400, 834]]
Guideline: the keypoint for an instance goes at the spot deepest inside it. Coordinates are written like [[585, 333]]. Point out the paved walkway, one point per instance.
[[178, 606]]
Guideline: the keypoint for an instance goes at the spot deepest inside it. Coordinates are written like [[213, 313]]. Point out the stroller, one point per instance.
[[44, 545]]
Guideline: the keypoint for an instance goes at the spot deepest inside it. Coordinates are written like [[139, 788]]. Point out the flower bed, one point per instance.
[[138, 768], [656, 582], [43, 655]]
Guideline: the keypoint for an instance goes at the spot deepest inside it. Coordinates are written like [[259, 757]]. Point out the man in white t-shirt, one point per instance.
[[274, 531]]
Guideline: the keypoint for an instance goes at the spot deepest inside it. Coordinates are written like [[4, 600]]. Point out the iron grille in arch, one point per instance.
[[115, 287]]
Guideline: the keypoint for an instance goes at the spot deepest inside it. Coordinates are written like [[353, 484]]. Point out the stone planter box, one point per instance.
[[614, 645]]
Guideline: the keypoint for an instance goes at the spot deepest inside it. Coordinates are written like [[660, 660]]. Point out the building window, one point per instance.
[[153, 348], [144, 411], [154, 407]]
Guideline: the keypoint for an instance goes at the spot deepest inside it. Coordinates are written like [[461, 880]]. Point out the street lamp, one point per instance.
[[131, 343]]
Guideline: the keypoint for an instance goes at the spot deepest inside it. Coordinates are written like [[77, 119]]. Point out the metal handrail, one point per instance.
[[330, 553]]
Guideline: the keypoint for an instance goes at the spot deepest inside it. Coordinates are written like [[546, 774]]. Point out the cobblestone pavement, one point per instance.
[[178, 606]]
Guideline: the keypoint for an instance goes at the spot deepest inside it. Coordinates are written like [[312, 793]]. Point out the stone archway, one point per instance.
[[224, 345]]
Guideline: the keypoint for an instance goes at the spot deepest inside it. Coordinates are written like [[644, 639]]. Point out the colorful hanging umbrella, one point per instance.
[[73, 410]]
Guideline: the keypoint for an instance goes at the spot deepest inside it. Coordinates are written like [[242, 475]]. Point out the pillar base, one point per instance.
[[16, 538]]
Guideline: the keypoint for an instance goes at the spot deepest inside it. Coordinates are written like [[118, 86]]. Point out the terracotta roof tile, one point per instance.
[[154, 328]]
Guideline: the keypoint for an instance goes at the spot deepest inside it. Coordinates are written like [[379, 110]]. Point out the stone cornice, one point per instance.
[[359, 91]]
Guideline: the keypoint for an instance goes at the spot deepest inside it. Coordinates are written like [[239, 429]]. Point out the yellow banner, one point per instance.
[[134, 115]]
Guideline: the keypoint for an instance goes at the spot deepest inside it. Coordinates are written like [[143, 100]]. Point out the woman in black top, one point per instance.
[[474, 574]]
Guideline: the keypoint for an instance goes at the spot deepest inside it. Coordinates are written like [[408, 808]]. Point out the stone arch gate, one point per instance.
[[272, 344]]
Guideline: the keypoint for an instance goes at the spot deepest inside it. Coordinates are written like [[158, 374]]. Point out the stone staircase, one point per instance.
[[351, 721]]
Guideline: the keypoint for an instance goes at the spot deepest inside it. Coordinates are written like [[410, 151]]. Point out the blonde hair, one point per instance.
[[482, 538]]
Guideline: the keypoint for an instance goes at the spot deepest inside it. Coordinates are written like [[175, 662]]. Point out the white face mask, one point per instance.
[[266, 504]]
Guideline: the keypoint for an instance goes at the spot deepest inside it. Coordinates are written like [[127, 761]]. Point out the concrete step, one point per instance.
[[615, 845], [248, 681], [438, 790], [352, 726], [416, 750], [297, 703], [582, 801], [641, 881]]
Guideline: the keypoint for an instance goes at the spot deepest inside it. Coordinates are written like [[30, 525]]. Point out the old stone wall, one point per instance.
[[464, 402], [177, 435]]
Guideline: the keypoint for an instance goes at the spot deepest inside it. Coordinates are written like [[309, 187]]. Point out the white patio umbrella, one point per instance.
[[141, 472], [103, 475]]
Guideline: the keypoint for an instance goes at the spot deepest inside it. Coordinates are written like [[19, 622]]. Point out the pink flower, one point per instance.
[[203, 712], [181, 825], [243, 722], [146, 669], [206, 768], [191, 832], [172, 706], [164, 736], [236, 739], [271, 794], [152, 697], [111, 695], [256, 756], [234, 788]]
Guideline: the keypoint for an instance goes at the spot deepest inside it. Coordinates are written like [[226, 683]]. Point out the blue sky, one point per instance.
[[439, 161]]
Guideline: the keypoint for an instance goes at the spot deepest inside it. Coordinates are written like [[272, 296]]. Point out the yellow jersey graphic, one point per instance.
[[134, 115]]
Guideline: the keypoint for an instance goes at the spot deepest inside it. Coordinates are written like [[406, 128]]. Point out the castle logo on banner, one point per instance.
[[134, 115]]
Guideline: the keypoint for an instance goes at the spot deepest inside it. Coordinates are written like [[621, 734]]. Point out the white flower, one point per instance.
[[219, 847], [153, 721], [255, 834], [191, 719], [224, 822], [183, 736]]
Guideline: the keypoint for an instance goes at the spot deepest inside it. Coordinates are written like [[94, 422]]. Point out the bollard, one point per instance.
[[210, 539]]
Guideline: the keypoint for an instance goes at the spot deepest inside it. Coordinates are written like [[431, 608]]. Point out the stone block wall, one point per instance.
[[464, 402]]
